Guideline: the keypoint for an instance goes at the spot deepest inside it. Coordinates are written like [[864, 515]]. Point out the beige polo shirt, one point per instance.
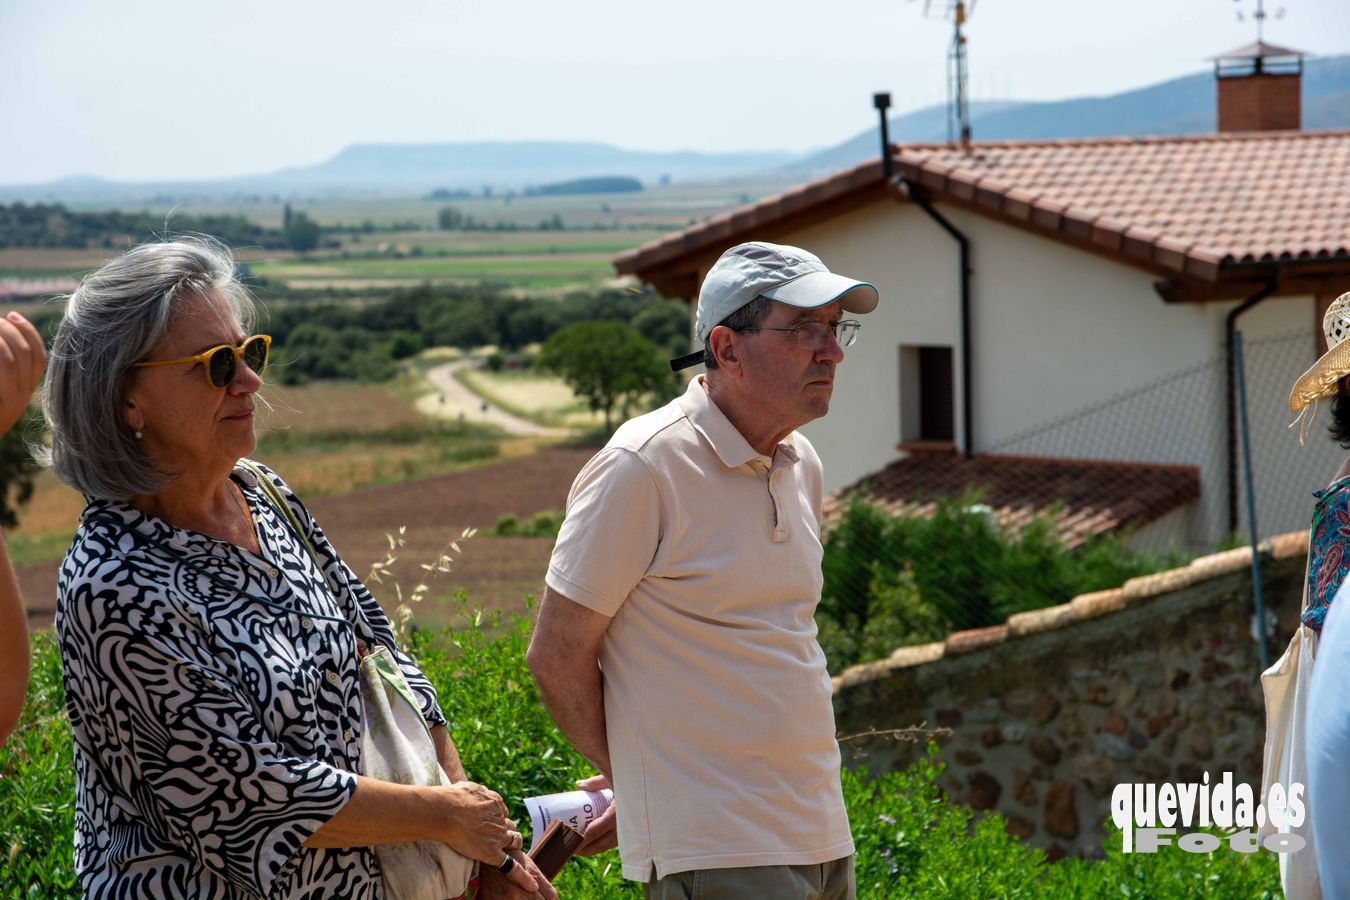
[[706, 555]]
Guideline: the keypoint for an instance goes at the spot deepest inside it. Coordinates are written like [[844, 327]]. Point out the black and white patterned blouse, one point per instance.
[[214, 699]]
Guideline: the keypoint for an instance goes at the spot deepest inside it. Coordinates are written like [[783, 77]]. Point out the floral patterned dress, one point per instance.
[[1328, 560]]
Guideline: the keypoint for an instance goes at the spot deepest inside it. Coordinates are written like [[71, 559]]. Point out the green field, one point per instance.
[[527, 270], [391, 241]]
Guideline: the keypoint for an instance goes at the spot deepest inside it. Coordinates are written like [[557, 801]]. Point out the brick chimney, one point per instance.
[[1260, 87]]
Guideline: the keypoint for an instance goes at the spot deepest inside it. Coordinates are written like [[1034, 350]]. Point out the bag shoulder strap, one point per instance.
[[278, 503]]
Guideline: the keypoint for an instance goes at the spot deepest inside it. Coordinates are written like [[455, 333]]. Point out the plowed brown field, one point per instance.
[[496, 572]]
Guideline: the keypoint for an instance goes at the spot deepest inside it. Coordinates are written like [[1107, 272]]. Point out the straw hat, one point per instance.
[[1322, 379]]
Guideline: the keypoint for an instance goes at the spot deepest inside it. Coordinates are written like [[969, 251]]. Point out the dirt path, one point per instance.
[[454, 401]]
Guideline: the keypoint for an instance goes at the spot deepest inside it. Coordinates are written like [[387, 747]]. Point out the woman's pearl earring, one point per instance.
[[139, 435]]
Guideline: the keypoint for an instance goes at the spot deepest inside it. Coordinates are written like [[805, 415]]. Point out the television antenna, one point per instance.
[[958, 89], [1259, 15]]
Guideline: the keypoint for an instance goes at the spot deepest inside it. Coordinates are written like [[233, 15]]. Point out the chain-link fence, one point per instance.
[[1138, 482]]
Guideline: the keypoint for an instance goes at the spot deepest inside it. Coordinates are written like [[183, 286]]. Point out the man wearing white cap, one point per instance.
[[675, 645]]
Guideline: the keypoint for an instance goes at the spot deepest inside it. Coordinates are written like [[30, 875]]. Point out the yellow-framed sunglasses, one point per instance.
[[218, 363]]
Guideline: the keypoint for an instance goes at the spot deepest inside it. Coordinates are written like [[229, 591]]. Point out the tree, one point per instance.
[[449, 219], [605, 362], [17, 468], [302, 232]]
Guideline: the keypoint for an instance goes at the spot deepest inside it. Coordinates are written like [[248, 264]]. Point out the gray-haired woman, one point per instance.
[[210, 662]]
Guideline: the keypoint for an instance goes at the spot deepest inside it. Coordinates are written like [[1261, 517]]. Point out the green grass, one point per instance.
[[911, 841], [25, 549]]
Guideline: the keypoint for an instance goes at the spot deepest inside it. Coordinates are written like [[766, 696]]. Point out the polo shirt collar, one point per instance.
[[727, 442]]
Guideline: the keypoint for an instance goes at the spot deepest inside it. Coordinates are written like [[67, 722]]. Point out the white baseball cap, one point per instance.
[[781, 273]]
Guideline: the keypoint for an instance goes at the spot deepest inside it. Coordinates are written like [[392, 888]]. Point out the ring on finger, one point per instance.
[[507, 865]]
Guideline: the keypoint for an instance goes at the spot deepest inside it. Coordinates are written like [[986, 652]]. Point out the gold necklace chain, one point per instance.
[[248, 519]]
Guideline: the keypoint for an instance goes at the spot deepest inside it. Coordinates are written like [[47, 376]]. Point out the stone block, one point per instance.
[[1137, 739], [1146, 587], [1113, 747], [1046, 708], [1018, 827], [949, 718], [1038, 620], [1097, 771], [984, 791], [1045, 749], [1098, 603], [1291, 545], [916, 655], [1061, 819], [1019, 701], [1158, 724], [973, 639], [1024, 789], [1114, 722], [992, 736], [968, 757], [1151, 768], [1200, 744], [1216, 564], [1015, 733]]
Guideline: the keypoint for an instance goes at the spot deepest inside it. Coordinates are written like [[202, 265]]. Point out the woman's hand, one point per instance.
[[493, 885], [22, 359], [476, 825], [474, 821]]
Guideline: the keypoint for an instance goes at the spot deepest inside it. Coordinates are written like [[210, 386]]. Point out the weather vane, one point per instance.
[[1260, 14]]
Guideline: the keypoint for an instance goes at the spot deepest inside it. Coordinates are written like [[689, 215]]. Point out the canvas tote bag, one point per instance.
[[396, 746], [1285, 685]]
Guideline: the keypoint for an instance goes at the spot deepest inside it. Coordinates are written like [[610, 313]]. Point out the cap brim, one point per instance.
[[816, 289], [683, 362]]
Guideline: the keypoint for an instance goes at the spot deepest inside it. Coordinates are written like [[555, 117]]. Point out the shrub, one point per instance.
[[911, 841], [37, 788], [545, 523], [897, 580]]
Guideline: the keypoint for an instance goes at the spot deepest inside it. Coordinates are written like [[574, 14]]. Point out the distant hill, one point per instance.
[[516, 164], [418, 168], [1183, 105]]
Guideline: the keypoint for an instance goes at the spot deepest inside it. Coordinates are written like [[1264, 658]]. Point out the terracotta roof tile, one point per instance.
[[1089, 497], [1190, 204]]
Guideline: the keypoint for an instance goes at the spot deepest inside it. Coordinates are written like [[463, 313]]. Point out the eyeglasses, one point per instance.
[[815, 336], [218, 363]]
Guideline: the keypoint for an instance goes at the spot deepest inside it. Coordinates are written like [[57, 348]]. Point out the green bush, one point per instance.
[[546, 523], [891, 580], [911, 842], [37, 788]]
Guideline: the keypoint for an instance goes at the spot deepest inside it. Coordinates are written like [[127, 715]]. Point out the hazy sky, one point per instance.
[[135, 89]]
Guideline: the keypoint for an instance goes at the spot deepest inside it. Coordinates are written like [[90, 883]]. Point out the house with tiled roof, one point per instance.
[[1061, 320]]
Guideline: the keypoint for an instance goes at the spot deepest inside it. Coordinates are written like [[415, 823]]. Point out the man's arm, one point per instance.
[[564, 656]]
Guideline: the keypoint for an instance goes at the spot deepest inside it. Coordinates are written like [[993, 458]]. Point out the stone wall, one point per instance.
[[1154, 681]]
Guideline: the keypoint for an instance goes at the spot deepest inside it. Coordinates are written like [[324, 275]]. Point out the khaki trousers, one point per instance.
[[825, 881]]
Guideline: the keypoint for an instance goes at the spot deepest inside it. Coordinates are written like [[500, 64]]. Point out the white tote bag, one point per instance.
[[1285, 685], [397, 747]]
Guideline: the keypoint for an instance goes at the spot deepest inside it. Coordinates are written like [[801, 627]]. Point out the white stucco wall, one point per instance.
[[1074, 356]]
